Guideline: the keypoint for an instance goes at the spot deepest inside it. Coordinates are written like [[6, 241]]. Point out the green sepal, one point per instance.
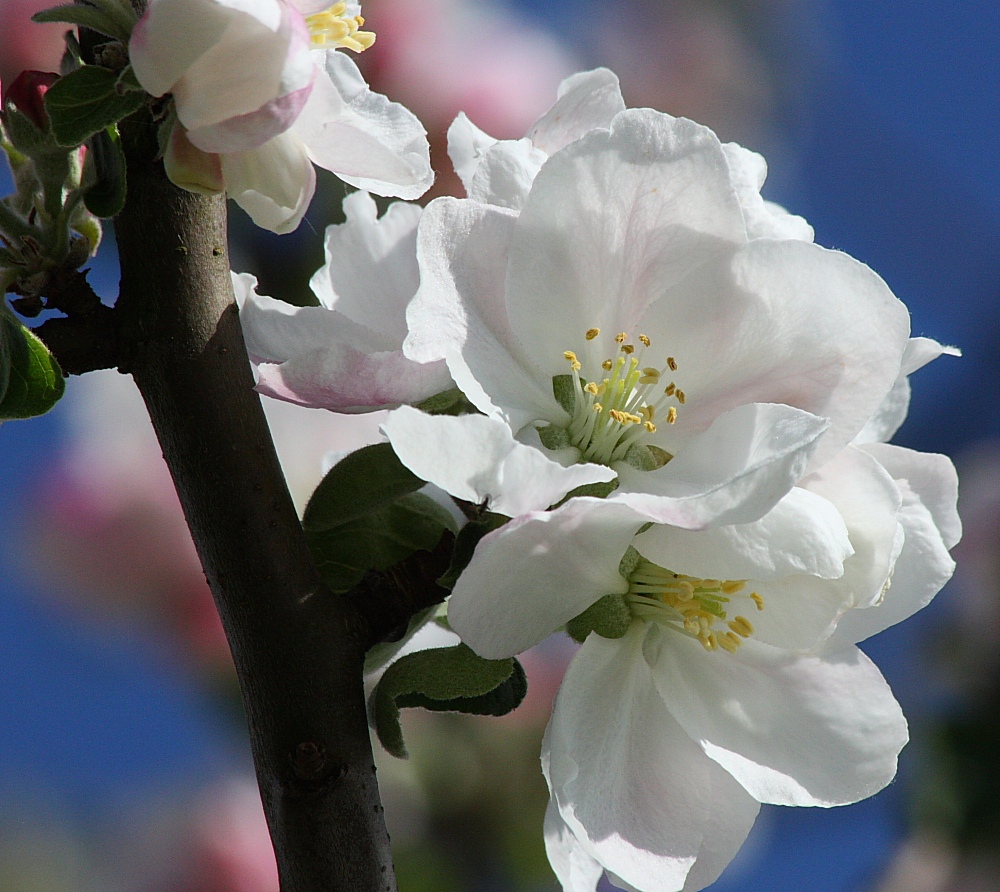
[[609, 617], [106, 197], [554, 437], [362, 482], [564, 390], [447, 402], [599, 490], [31, 381], [444, 679], [646, 458], [87, 101], [379, 654], [630, 560], [378, 539], [465, 546]]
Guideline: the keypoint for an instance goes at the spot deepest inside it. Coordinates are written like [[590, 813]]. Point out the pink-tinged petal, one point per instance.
[[764, 219], [869, 501], [637, 793], [371, 273], [475, 458], [887, 419], [803, 533], [588, 100], [361, 136], [791, 323], [466, 144], [793, 730], [243, 132], [310, 7], [191, 168], [273, 184], [505, 173], [734, 472], [931, 525], [459, 312], [539, 571], [346, 380], [573, 867], [612, 223]]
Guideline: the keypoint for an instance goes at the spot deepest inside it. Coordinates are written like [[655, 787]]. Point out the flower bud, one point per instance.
[[27, 95]]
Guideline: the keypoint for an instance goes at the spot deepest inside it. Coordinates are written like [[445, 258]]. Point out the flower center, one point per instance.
[[612, 412], [338, 26], [698, 608]]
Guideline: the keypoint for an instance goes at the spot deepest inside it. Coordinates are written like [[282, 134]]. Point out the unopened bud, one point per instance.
[[27, 95]]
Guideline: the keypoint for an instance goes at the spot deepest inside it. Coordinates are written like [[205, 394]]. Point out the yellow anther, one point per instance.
[[757, 599], [644, 339], [671, 364], [671, 415], [685, 591], [592, 333], [591, 387], [620, 337], [650, 376], [628, 349], [647, 412], [710, 583], [741, 626], [729, 642], [681, 397], [598, 407], [710, 642], [337, 27], [651, 427], [570, 355], [670, 388], [606, 365], [732, 586]]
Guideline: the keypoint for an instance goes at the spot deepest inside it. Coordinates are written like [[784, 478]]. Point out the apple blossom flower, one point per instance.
[[725, 672], [630, 316], [261, 96], [346, 354]]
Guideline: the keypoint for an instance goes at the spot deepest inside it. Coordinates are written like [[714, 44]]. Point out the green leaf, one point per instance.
[[465, 546], [113, 18], [379, 654], [450, 679], [553, 436], [564, 390], [107, 196], [378, 540], [34, 381], [364, 481], [448, 402], [609, 617], [86, 101]]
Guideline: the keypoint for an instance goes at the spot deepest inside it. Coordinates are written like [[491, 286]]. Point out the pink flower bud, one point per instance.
[[27, 95]]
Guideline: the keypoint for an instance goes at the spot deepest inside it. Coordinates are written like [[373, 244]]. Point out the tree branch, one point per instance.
[[298, 650]]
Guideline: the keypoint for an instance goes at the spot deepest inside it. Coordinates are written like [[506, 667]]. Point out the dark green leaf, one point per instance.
[[360, 483], [85, 17], [452, 679], [107, 196], [34, 380], [564, 390], [448, 402], [378, 540], [86, 101], [609, 617], [465, 546]]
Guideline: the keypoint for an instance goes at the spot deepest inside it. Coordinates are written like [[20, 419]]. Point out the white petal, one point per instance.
[[764, 219], [735, 472], [791, 323], [371, 273], [929, 489], [869, 501], [537, 572], [505, 173], [475, 458], [273, 184], [459, 313], [636, 791], [586, 101], [466, 144], [803, 533], [612, 222], [361, 136], [793, 730], [573, 867]]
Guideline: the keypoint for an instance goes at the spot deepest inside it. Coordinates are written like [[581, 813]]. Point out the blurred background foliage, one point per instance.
[[123, 763]]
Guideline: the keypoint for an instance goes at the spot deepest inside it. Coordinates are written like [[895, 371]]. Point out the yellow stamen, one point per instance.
[[644, 339], [628, 349], [620, 337], [592, 333], [670, 388], [606, 365], [591, 388], [681, 398], [337, 27], [671, 415], [651, 427], [757, 599], [729, 642], [672, 364]]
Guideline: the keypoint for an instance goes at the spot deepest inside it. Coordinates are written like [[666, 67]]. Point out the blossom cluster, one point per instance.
[[682, 412]]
